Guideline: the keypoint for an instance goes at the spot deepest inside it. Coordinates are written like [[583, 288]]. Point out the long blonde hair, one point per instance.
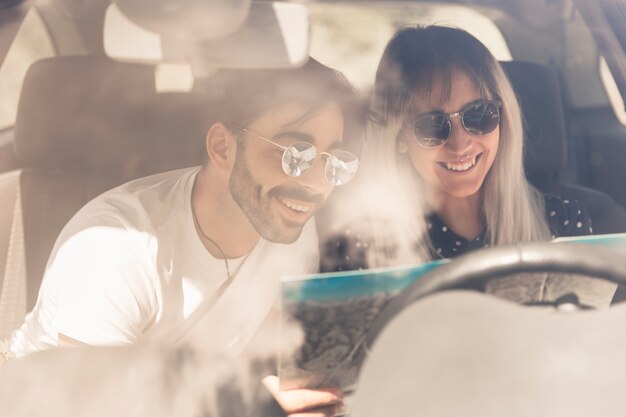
[[513, 210]]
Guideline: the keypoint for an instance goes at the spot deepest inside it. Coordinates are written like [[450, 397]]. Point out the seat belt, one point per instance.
[[12, 256]]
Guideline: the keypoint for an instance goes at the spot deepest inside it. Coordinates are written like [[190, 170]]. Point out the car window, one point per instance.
[[355, 48], [31, 43]]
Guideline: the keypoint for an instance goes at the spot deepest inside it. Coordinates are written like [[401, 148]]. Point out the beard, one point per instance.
[[248, 194]]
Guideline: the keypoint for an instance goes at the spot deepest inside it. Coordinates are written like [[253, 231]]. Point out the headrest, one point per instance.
[[92, 114], [208, 35], [537, 89]]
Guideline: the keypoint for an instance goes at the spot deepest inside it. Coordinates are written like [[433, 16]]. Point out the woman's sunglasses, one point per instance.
[[478, 118], [339, 168]]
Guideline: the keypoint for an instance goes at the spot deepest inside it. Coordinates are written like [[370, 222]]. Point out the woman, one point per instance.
[[448, 131], [458, 122]]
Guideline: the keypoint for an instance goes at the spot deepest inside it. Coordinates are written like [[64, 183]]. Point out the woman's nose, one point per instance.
[[460, 140]]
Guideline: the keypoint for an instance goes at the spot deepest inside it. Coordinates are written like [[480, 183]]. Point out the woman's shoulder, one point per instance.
[[567, 217]]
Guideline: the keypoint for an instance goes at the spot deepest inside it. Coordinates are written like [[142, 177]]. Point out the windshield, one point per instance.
[[183, 180]]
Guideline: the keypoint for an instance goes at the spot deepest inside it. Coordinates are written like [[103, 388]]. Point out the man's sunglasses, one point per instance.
[[478, 118], [339, 168]]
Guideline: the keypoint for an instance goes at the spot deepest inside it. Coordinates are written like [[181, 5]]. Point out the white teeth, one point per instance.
[[296, 207], [461, 166]]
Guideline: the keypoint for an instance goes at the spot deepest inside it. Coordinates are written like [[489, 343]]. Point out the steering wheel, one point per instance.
[[502, 261]]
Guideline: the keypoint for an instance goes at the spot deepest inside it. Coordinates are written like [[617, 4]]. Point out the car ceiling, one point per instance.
[[76, 26]]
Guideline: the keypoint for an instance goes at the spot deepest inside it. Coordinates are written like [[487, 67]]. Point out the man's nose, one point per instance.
[[314, 179]]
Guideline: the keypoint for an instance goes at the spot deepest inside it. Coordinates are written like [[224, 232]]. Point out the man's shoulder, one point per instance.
[[142, 204], [160, 181]]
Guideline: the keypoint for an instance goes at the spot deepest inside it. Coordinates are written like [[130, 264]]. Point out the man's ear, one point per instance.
[[401, 145], [221, 146]]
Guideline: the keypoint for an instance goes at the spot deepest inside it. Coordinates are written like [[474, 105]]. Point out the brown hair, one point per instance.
[[241, 96]]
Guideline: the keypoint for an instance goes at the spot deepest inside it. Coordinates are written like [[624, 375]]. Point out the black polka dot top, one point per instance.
[[565, 218]]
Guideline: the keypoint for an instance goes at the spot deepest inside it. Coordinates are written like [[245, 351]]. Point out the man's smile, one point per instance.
[[297, 205], [295, 212]]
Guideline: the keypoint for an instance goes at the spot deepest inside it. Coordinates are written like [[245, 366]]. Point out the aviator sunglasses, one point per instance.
[[478, 118], [339, 168]]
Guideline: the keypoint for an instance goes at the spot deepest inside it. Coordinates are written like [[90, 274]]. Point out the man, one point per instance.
[[206, 243]]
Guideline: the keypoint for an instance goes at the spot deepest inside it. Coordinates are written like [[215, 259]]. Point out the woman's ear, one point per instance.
[[221, 146], [401, 144]]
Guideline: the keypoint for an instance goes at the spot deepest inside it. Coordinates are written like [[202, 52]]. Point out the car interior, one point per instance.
[[90, 114]]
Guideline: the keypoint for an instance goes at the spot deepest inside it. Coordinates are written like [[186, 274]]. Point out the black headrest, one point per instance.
[[93, 114], [537, 89]]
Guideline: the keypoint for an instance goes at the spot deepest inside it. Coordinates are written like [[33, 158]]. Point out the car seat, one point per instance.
[[537, 88], [84, 125]]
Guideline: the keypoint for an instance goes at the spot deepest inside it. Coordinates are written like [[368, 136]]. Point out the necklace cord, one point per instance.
[[204, 235], [208, 304]]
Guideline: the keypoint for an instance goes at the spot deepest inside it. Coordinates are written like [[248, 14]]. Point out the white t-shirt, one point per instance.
[[130, 265]]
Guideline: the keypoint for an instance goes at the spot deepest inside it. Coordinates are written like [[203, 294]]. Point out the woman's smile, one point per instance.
[[461, 165]]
